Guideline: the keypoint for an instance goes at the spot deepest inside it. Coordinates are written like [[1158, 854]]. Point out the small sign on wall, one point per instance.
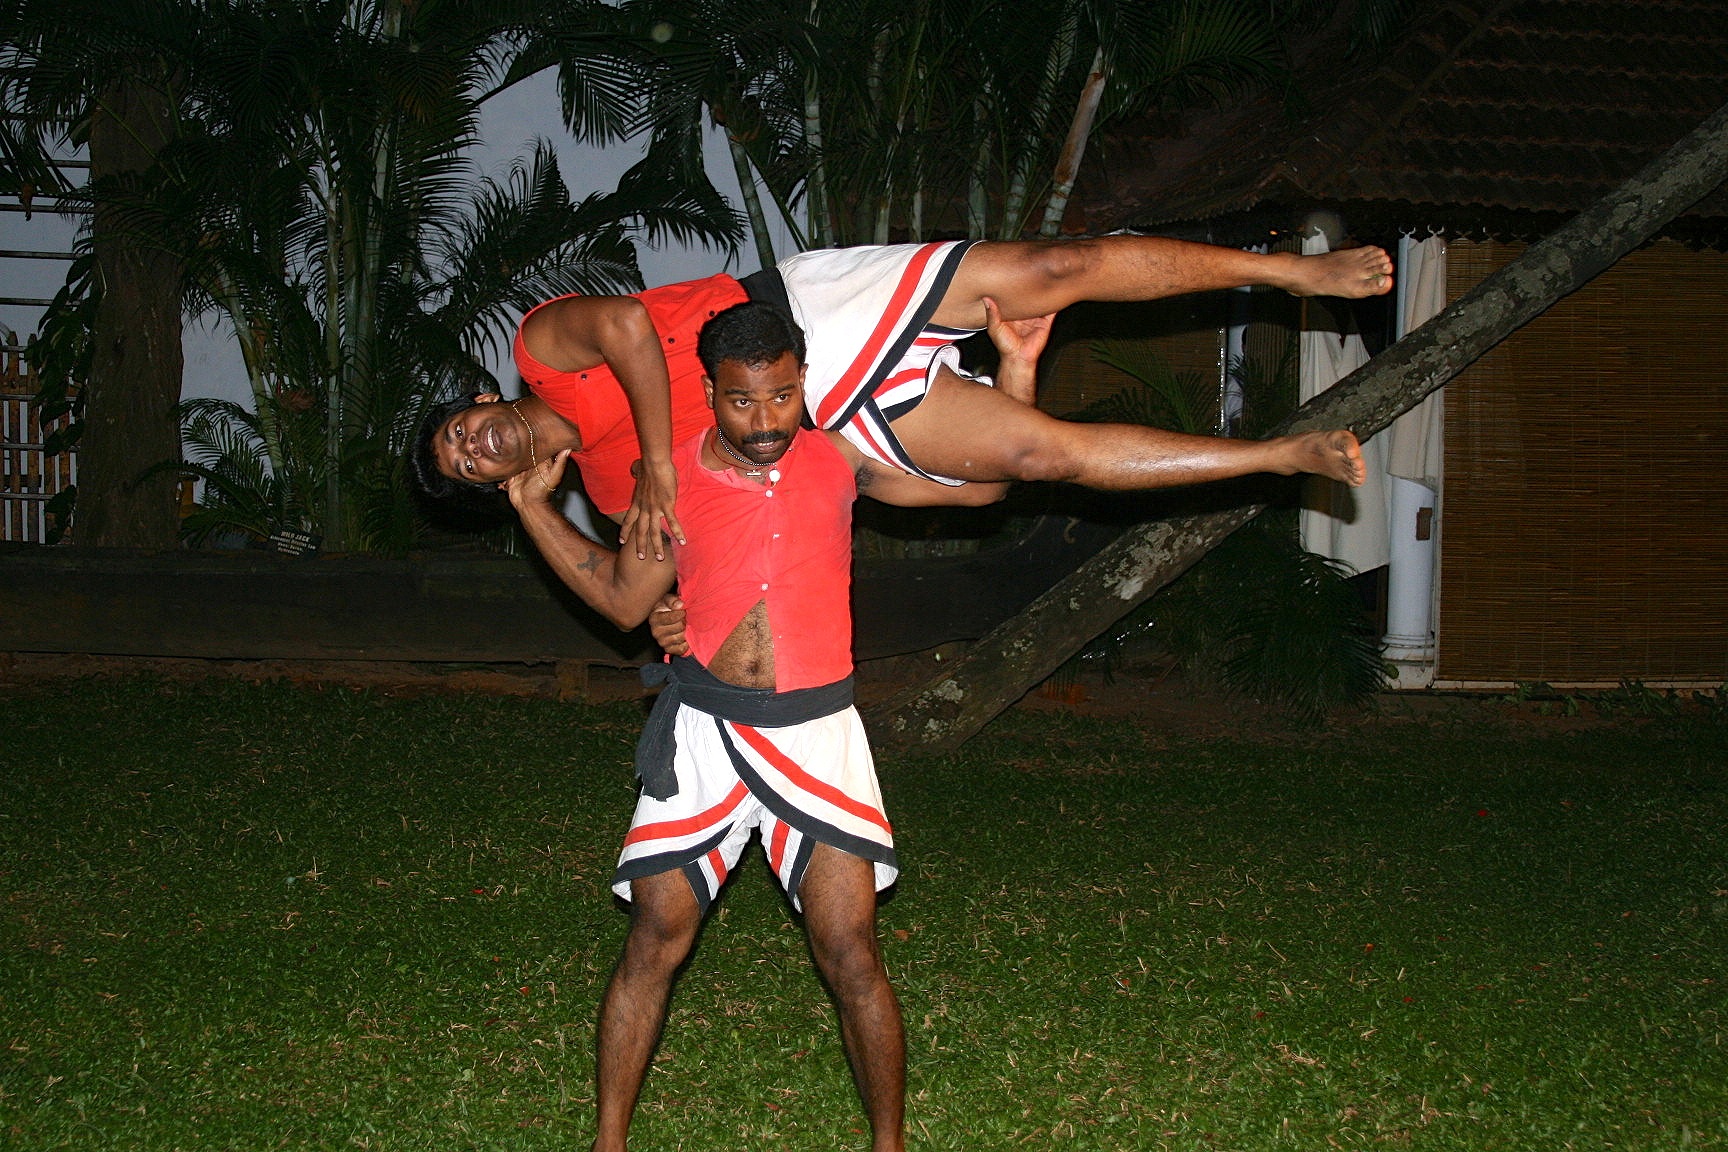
[[293, 542]]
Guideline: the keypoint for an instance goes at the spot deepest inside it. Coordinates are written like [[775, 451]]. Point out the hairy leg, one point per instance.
[[968, 431], [663, 922], [839, 898], [1032, 278]]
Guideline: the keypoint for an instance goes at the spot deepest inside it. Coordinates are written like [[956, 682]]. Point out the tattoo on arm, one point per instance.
[[592, 564]]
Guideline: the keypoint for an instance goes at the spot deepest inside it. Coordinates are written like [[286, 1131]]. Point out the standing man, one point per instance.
[[615, 379], [755, 731]]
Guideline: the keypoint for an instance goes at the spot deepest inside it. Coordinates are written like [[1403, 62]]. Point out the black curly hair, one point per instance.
[[467, 501], [753, 333]]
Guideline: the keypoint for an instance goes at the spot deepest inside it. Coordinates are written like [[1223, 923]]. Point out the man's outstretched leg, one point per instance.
[[663, 920], [839, 899], [970, 431], [1034, 278]]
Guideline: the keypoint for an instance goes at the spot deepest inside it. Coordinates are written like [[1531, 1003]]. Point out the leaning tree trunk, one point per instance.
[[130, 418], [1002, 666]]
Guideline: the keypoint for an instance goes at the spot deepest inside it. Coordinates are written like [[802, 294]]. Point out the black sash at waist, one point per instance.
[[688, 682]]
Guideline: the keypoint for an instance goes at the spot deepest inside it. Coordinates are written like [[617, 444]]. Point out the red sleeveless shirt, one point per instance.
[[788, 543], [594, 401]]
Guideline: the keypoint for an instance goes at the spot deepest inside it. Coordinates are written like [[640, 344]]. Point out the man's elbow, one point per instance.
[[625, 619], [629, 608], [627, 322]]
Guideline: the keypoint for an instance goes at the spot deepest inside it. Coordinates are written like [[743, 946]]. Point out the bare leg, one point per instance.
[[839, 898], [1032, 278], [968, 431], [663, 922]]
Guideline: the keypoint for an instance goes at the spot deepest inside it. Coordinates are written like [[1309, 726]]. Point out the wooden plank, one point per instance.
[[452, 606], [245, 605]]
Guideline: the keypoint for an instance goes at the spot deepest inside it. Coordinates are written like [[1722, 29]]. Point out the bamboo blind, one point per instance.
[[1583, 536], [27, 477]]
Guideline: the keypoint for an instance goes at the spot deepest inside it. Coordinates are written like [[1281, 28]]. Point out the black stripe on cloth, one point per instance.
[[909, 331], [873, 415], [683, 859], [809, 825], [896, 410], [769, 287], [800, 863], [699, 886]]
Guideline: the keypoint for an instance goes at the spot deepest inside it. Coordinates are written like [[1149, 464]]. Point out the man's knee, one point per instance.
[[1042, 452], [849, 956], [1063, 261], [663, 922], [977, 495]]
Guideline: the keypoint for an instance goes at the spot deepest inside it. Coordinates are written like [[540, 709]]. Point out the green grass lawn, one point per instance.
[[251, 917]]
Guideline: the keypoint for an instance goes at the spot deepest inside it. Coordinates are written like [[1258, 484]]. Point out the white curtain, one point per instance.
[[1414, 460], [1413, 442], [1347, 524]]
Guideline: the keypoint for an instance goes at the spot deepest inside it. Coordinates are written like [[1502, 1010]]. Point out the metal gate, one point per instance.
[[29, 477]]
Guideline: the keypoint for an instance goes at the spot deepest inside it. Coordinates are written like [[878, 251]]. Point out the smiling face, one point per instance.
[[485, 444], [758, 407]]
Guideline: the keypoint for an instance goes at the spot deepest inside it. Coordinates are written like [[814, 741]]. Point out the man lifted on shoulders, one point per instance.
[[615, 378]]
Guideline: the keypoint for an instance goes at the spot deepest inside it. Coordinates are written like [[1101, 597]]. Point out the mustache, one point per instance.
[[764, 438]]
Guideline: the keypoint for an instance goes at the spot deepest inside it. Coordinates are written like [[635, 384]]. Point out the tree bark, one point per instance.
[[1074, 147], [131, 422], [1004, 665]]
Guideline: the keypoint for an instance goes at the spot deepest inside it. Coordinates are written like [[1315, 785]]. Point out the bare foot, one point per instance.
[[1349, 272], [1334, 454]]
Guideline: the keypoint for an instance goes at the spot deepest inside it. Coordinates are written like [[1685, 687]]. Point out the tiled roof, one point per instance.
[[1500, 118]]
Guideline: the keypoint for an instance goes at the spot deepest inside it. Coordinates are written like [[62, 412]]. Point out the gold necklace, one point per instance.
[[533, 460]]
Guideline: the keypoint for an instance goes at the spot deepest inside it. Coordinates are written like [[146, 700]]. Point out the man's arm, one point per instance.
[[619, 585], [587, 331]]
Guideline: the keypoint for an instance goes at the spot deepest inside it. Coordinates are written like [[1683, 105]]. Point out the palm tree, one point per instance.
[[314, 194], [109, 75], [369, 268], [892, 118]]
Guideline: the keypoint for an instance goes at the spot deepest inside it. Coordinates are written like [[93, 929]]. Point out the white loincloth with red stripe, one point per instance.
[[798, 785], [872, 350]]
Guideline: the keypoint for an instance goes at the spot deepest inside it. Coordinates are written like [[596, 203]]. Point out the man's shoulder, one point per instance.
[[720, 287], [820, 448], [687, 455], [824, 468]]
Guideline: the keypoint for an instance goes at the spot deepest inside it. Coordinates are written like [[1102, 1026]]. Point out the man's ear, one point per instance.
[[708, 388], [487, 398]]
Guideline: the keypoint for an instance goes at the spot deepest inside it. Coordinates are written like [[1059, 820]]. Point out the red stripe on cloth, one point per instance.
[[900, 378], [849, 382], [777, 846], [880, 449], [697, 823], [827, 792], [717, 863]]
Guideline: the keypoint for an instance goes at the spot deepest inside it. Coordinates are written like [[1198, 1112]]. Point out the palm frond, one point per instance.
[[1163, 397]]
